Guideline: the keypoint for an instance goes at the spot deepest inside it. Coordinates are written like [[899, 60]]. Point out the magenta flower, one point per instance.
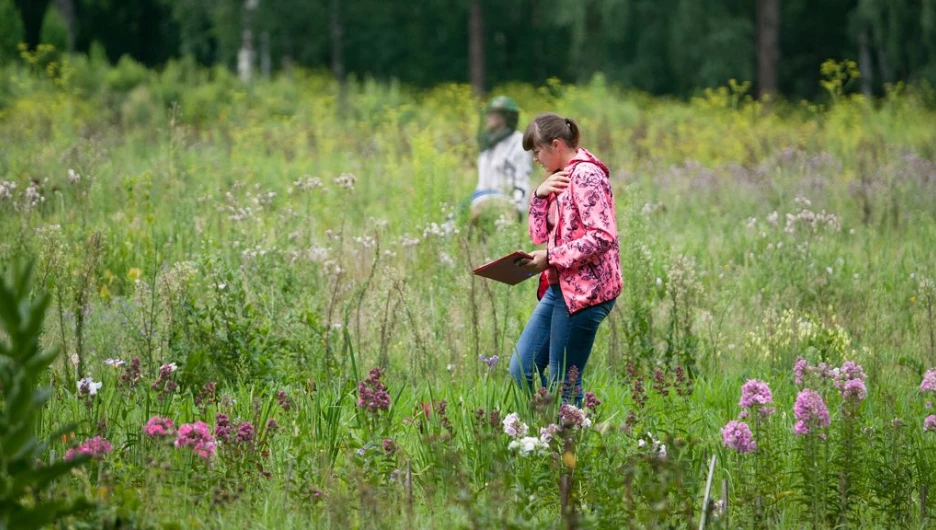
[[572, 417], [737, 435], [929, 424], [591, 402], [245, 433], [756, 393], [95, 447], [223, 428], [372, 394], [388, 445], [854, 390], [283, 400], [810, 412], [158, 427], [196, 436], [800, 370], [929, 381]]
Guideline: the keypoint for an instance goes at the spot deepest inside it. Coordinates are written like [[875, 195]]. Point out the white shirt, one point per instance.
[[504, 173]]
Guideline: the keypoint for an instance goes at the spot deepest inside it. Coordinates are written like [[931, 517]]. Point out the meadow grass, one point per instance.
[[265, 239]]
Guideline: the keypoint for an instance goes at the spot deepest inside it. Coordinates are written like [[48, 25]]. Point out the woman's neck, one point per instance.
[[567, 155]]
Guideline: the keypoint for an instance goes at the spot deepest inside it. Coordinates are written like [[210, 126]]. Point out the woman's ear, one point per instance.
[[555, 144]]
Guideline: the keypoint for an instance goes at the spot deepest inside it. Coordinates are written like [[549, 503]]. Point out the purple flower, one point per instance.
[[572, 417], [929, 381], [158, 427], [372, 394], [929, 424], [389, 446], [854, 390], [800, 370], [491, 362], [95, 447], [513, 426], [591, 402], [283, 400], [756, 393], [737, 435], [810, 412], [196, 436], [245, 433], [272, 426], [548, 433]]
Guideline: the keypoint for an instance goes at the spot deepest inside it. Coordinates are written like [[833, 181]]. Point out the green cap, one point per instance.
[[503, 104]]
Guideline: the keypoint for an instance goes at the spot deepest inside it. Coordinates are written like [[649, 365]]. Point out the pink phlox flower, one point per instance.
[[737, 435], [810, 411], [158, 427]]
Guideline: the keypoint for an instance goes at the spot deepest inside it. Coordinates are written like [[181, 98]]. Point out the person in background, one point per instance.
[[503, 166]]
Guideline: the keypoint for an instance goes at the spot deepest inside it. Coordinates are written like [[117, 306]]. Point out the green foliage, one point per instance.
[[23, 366], [54, 29], [11, 32]]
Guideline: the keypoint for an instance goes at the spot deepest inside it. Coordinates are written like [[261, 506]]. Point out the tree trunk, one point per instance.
[[337, 56], [266, 65], [246, 54], [476, 46], [864, 63], [768, 46], [67, 8]]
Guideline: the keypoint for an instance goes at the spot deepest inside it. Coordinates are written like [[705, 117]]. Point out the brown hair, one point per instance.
[[548, 127]]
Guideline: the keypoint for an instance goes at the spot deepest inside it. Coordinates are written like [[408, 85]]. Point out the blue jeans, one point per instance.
[[555, 339]]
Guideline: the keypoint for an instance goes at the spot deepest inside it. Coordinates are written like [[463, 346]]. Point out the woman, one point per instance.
[[572, 212]]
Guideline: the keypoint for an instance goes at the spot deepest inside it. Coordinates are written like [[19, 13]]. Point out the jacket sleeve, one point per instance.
[[539, 210], [592, 200]]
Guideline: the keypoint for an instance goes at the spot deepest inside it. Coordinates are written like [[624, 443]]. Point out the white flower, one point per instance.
[[659, 282], [527, 445], [73, 176], [641, 443], [513, 426], [114, 362], [88, 386]]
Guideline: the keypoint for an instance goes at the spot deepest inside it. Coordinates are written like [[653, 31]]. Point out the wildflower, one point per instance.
[[6, 189], [548, 433], [929, 381], [372, 394], [682, 383], [196, 436], [571, 387], [756, 393], [737, 435], [495, 419], [158, 427], [223, 429], [206, 394], [800, 370], [929, 404], [345, 181], [88, 386], [164, 383], [283, 400], [513, 426], [245, 433], [572, 417], [389, 446], [73, 176], [591, 402], [527, 445], [131, 375], [659, 383], [810, 412], [491, 362], [116, 363], [854, 390], [95, 447], [929, 424], [272, 426]]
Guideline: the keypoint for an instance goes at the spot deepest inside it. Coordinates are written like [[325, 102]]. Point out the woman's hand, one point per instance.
[[538, 264], [555, 183]]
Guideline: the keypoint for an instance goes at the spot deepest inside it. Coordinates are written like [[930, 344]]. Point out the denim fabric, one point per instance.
[[555, 339]]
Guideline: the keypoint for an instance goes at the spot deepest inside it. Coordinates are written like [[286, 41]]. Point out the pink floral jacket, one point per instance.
[[579, 227]]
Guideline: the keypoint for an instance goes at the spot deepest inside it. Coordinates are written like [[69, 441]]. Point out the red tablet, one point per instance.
[[506, 270]]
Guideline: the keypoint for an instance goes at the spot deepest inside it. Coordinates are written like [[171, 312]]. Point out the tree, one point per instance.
[[11, 31], [768, 46], [476, 45]]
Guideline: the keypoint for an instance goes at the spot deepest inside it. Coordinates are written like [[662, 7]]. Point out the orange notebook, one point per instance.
[[506, 270]]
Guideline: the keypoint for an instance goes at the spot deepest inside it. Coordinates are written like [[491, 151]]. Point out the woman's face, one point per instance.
[[548, 156]]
